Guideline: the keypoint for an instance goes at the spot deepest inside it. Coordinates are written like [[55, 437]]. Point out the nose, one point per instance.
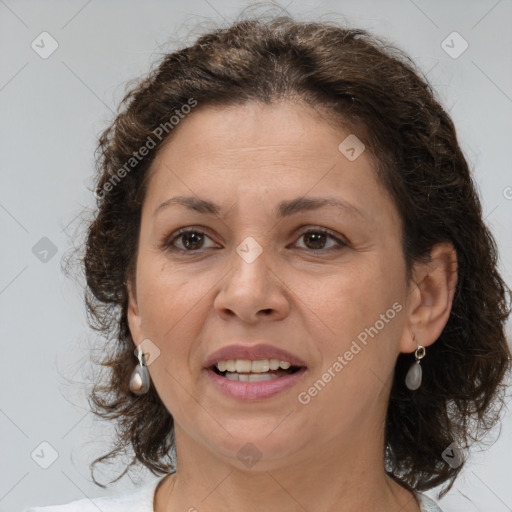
[[253, 291]]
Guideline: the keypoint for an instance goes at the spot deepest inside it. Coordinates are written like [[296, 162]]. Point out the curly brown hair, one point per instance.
[[360, 81]]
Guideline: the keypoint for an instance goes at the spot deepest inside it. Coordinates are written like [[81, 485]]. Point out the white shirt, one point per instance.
[[142, 498]]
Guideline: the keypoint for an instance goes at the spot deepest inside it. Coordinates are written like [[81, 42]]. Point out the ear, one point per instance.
[[133, 313], [430, 297]]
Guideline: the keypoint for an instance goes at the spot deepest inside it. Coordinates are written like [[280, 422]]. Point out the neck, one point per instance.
[[312, 479]]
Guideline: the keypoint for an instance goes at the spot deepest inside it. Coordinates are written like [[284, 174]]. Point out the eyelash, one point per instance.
[[169, 242]]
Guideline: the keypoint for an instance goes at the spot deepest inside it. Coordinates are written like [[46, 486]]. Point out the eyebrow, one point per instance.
[[284, 208]]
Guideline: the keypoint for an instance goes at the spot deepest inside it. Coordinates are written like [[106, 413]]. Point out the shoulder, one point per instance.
[[426, 504], [135, 500]]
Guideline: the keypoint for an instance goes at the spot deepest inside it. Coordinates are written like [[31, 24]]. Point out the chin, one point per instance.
[[257, 449]]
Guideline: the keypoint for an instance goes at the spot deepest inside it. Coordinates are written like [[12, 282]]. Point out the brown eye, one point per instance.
[[190, 240], [316, 239], [193, 240]]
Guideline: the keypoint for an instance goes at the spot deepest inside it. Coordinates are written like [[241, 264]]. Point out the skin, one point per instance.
[[327, 455]]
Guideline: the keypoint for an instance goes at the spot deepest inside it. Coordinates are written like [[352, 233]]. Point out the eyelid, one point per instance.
[[318, 229], [167, 242]]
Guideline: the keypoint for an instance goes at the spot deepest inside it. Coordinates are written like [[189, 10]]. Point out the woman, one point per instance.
[[289, 237]]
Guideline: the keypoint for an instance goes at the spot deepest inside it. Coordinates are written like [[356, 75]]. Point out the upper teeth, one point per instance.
[[247, 366]]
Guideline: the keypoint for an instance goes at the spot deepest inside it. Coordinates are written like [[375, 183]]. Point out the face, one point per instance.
[[326, 284]]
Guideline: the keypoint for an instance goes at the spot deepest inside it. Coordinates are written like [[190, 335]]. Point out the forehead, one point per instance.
[[257, 130], [283, 150]]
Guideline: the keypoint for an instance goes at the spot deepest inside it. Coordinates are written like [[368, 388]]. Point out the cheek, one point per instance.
[[358, 312], [170, 306], [347, 300], [166, 295], [357, 352]]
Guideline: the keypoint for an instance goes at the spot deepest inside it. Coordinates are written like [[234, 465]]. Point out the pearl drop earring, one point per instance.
[[414, 375], [139, 380]]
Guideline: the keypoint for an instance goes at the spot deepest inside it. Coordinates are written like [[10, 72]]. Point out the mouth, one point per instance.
[[254, 372], [249, 386], [244, 370]]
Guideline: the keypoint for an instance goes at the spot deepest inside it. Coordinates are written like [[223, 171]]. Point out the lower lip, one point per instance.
[[254, 390]]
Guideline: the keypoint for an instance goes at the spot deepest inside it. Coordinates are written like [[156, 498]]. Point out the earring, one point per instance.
[[413, 378], [139, 380]]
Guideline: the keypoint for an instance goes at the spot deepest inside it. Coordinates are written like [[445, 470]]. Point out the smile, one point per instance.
[[253, 380]]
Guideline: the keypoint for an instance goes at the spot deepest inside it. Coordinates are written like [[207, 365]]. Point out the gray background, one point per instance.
[[52, 111]]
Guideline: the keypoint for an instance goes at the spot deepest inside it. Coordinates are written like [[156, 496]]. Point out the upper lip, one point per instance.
[[253, 353]]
